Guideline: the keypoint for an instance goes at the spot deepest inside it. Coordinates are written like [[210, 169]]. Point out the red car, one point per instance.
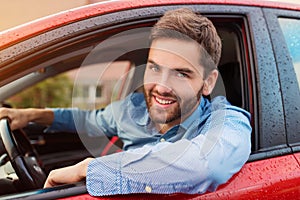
[[51, 58]]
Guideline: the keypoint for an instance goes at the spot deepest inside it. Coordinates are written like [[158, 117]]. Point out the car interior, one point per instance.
[[59, 149]]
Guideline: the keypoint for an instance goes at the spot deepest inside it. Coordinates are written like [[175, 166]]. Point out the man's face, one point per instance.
[[173, 81]]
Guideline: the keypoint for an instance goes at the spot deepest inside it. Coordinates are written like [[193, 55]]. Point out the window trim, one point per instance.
[[287, 76]]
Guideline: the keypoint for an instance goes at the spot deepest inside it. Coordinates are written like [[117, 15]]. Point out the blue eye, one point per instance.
[[182, 75], [154, 68]]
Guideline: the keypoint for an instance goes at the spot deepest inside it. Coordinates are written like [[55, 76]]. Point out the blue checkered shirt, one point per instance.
[[196, 156]]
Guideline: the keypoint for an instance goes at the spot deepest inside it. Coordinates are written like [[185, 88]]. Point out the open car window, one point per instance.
[[88, 87]]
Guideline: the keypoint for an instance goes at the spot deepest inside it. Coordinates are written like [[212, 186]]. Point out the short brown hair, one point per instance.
[[184, 24]]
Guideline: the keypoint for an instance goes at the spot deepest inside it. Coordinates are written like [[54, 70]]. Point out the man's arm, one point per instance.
[[187, 166], [71, 174], [19, 118], [90, 122]]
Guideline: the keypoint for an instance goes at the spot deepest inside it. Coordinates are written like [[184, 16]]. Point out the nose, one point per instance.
[[163, 89], [163, 85]]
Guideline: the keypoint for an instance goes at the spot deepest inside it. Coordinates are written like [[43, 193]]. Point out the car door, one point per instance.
[[272, 170]]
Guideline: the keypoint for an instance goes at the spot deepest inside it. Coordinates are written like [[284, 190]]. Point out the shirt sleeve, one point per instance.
[[93, 122], [186, 166]]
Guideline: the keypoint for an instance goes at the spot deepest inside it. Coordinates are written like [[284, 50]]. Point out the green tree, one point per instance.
[[52, 92]]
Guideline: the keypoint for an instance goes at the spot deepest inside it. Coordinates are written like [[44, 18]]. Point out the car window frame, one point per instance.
[[271, 139], [287, 76]]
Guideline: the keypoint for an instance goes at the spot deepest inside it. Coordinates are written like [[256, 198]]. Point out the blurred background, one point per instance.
[[16, 12]]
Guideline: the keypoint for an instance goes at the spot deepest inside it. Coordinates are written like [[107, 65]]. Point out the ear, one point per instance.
[[210, 82]]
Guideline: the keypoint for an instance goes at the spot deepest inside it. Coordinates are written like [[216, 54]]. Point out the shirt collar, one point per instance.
[[143, 119], [195, 115], [139, 111]]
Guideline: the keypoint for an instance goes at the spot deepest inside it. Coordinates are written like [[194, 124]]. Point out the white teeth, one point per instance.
[[161, 101]]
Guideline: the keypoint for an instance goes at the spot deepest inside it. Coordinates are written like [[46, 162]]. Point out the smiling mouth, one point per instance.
[[163, 101]]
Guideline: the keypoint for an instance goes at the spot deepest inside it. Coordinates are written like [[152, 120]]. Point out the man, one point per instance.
[[175, 140]]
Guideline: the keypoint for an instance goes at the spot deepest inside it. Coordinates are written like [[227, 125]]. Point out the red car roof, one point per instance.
[[27, 30]]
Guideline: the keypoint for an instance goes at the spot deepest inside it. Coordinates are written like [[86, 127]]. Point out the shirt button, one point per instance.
[[162, 140], [148, 189]]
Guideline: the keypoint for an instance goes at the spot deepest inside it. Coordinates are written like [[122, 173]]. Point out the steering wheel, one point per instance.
[[23, 156]]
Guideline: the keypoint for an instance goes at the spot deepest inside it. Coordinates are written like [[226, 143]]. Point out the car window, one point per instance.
[[97, 85], [52, 92], [291, 32], [88, 87]]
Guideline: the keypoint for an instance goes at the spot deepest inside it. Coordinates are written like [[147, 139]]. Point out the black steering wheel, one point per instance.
[[23, 156]]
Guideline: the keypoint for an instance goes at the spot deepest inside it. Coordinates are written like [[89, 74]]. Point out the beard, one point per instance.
[[177, 112]]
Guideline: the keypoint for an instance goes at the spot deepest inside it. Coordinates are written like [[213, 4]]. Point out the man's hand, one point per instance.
[[19, 118], [71, 174]]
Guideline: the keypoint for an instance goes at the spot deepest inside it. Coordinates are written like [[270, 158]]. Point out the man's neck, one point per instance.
[[163, 128]]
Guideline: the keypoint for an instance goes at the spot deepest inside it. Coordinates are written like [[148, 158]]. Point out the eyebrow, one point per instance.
[[185, 70]]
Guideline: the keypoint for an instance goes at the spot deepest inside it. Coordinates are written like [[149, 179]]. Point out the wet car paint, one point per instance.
[[25, 31], [275, 178], [272, 178]]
